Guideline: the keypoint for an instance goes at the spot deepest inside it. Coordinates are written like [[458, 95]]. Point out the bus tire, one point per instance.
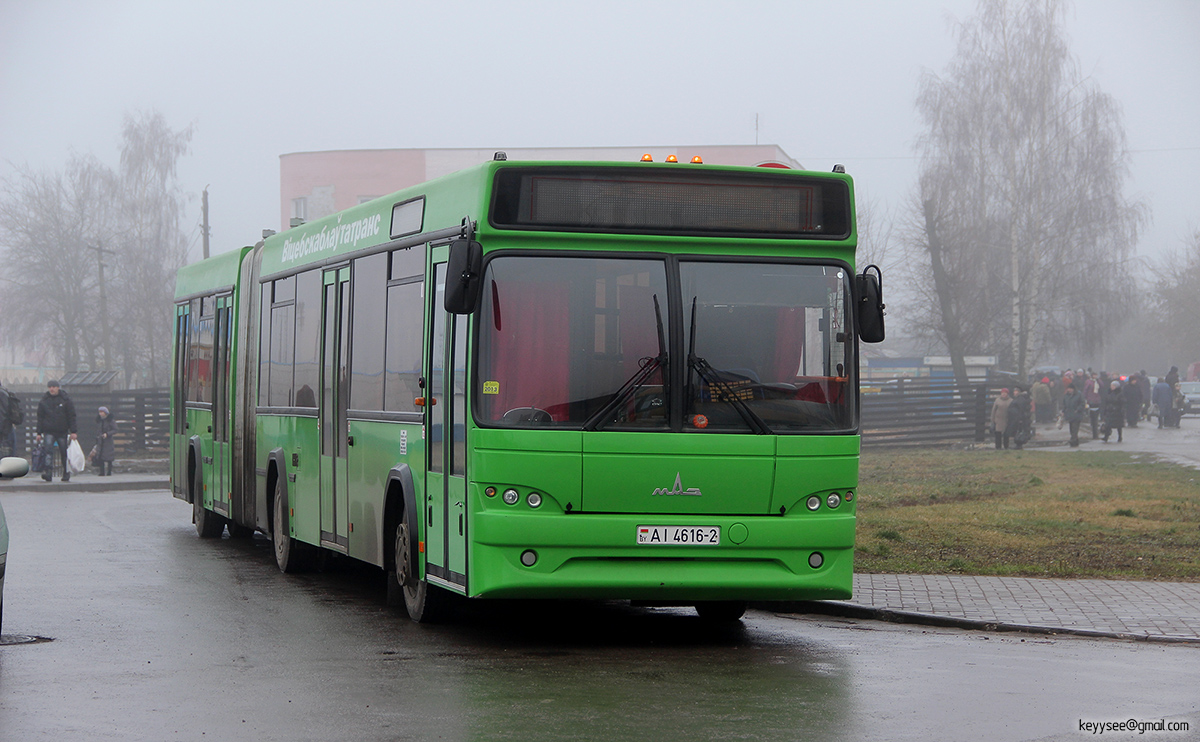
[[721, 611], [208, 523], [424, 603], [291, 556]]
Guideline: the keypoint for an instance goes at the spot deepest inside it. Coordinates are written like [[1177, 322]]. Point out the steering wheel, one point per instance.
[[527, 415]]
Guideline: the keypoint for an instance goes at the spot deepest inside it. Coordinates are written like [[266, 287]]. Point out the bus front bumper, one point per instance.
[[598, 557]]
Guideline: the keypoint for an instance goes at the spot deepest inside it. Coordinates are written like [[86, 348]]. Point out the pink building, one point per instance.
[[316, 184]]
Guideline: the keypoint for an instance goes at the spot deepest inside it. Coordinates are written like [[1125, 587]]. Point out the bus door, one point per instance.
[[445, 481], [179, 430], [335, 346], [219, 483]]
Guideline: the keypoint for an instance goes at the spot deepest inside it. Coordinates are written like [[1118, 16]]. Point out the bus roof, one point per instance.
[[443, 204], [208, 275]]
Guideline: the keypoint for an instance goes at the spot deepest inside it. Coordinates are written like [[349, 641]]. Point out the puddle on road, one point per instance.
[[8, 640]]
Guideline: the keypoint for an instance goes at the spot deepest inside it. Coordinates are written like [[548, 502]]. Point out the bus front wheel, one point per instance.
[[425, 603]]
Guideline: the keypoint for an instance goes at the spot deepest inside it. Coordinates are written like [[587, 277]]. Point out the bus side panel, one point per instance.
[[378, 447], [297, 436], [199, 424]]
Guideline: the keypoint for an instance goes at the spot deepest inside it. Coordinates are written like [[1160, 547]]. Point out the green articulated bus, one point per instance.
[[541, 379]]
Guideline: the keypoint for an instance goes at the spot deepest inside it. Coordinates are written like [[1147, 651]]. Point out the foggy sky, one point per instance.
[[830, 82]]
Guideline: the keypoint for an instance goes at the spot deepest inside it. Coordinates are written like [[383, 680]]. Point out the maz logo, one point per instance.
[[678, 489]]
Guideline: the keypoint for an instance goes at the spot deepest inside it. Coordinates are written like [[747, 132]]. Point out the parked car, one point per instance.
[[11, 467], [1191, 397]]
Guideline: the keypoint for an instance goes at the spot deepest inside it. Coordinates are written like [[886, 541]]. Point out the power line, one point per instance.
[[849, 158]]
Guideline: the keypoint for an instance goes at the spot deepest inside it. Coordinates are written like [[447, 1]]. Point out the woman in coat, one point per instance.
[[1114, 411], [1000, 418], [1074, 410], [106, 445]]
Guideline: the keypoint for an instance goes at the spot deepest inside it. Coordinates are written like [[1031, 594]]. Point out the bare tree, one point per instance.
[[151, 245], [1176, 302], [46, 223], [1027, 235], [50, 227]]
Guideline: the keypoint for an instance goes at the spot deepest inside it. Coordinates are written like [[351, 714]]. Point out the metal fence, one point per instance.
[[925, 411], [896, 412], [143, 418]]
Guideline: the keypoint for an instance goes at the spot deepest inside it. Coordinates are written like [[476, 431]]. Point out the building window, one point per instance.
[[300, 208]]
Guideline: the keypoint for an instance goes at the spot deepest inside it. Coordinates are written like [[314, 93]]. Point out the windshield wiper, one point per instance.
[[723, 393], [648, 366]]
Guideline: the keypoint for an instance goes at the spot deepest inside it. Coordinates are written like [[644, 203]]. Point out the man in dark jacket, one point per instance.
[[56, 422], [1133, 401]]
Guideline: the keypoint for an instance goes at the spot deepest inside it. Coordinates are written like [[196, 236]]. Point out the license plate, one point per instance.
[[679, 535]]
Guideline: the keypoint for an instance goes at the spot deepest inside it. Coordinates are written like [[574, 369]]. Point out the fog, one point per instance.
[[830, 82]]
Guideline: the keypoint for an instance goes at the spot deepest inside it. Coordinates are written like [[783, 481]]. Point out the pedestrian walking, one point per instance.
[[1074, 408], [56, 423], [106, 446], [1020, 416], [1114, 411], [1133, 401], [1091, 394], [1043, 400], [1162, 398], [1000, 418]]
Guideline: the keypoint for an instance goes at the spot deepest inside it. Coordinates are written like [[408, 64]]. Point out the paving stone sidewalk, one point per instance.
[[1162, 611]]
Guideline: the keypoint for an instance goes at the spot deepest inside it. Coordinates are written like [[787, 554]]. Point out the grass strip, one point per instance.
[[1096, 514]]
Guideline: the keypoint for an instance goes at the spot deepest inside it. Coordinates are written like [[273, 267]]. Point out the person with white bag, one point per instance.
[[56, 422]]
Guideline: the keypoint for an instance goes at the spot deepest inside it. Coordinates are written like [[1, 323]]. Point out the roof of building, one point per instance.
[[88, 378]]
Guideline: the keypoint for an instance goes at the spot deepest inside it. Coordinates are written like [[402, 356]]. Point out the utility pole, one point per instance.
[[103, 302], [204, 227]]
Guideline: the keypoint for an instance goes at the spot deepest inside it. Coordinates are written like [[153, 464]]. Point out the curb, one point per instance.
[[853, 610], [86, 486]]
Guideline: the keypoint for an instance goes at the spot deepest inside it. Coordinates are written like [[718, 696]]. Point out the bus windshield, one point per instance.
[[586, 343], [767, 346]]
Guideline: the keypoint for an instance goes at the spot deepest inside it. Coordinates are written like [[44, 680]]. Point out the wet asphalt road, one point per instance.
[[157, 635]]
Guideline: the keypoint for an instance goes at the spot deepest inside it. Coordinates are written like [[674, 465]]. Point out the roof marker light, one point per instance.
[[647, 158], [672, 158], [697, 161]]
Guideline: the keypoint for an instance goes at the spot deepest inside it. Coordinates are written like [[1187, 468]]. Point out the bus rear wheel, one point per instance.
[[291, 555], [208, 523], [721, 611], [424, 603]]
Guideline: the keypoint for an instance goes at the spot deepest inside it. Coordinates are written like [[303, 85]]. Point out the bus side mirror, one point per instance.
[[463, 276], [869, 306]]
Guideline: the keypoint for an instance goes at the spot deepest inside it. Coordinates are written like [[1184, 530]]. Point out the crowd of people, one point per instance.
[[1109, 403], [56, 429]]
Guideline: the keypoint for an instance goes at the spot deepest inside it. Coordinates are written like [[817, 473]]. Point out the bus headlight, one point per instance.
[[511, 497], [534, 499], [833, 500], [814, 503]]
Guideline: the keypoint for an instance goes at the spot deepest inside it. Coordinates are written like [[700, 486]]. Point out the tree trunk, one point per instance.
[[944, 288]]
